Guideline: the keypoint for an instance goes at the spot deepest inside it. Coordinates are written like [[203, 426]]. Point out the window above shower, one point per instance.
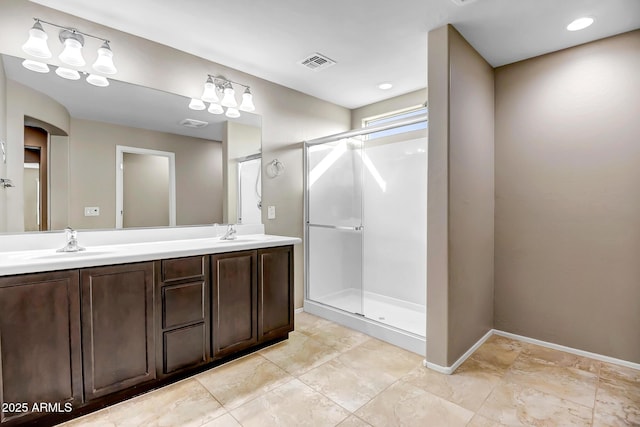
[[396, 116]]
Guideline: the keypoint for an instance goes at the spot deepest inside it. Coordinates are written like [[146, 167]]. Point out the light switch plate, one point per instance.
[[271, 212], [92, 211]]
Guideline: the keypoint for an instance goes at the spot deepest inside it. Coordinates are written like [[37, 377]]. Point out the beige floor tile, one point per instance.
[[309, 324], [480, 421], [349, 386], [354, 421], [292, 404], [467, 387], [618, 400], [299, 353], [95, 419], [573, 384], [237, 382], [515, 405], [186, 403], [561, 358], [224, 421], [381, 357], [617, 372], [405, 405], [497, 354], [339, 337]]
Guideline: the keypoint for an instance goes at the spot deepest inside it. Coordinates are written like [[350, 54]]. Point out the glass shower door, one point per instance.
[[334, 224]]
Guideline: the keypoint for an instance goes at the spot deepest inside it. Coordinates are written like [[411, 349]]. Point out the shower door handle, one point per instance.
[[359, 228]]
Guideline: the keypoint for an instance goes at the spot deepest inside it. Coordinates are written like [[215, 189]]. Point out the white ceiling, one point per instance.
[[372, 41]]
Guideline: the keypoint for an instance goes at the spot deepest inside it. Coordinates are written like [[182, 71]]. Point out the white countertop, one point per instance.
[[38, 260]]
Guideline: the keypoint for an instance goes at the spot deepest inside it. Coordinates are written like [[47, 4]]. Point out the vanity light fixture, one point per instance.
[[215, 86], [73, 41]]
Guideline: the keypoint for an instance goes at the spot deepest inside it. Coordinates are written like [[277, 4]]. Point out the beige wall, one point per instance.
[[461, 197], [567, 198], [401, 102], [92, 160], [58, 182]]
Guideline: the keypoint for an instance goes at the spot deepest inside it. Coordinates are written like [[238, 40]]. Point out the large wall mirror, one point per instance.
[[123, 156]]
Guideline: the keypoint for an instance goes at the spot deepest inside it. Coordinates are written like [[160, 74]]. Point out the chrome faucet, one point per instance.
[[71, 236], [230, 234]]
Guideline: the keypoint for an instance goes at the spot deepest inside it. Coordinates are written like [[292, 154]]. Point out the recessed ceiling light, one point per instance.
[[580, 24], [385, 86]]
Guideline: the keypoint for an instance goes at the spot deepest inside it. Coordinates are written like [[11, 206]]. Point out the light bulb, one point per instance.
[[232, 113], [97, 80], [247, 101], [72, 53], [104, 63], [215, 109], [36, 45], [197, 104], [580, 24], [209, 92], [67, 73], [38, 67], [229, 99]]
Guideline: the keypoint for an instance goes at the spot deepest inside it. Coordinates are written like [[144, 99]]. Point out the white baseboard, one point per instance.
[[448, 370], [299, 310], [571, 350]]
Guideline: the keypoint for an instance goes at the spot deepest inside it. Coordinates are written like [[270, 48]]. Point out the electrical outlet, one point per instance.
[[92, 211], [271, 212]]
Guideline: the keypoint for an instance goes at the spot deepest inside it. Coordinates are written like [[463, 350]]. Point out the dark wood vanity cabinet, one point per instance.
[[78, 340], [234, 308], [40, 355], [118, 344], [252, 298], [182, 313], [275, 292]]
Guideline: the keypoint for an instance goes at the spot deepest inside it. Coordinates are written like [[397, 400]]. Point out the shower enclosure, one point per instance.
[[366, 230]]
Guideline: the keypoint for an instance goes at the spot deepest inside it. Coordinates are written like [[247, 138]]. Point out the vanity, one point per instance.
[[136, 310]]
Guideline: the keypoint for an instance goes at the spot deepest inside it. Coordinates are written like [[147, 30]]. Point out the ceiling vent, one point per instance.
[[317, 62], [463, 2], [193, 123]]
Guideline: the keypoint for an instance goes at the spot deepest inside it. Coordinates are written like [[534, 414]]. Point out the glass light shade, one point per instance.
[[38, 67], [96, 80], [36, 45], [229, 98], [197, 104], [104, 63], [232, 113], [216, 109], [247, 101], [72, 53], [67, 73], [209, 93]]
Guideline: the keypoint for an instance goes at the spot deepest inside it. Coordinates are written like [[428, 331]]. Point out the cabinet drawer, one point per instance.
[[182, 268], [185, 347], [183, 304]]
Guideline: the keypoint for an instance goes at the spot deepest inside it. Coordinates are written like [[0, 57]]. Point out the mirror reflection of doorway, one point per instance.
[[145, 188], [35, 179], [249, 189]]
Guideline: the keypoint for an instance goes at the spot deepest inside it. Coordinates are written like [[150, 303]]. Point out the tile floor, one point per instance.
[[328, 375]]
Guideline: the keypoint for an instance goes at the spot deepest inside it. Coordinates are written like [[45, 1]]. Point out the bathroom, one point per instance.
[[477, 283]]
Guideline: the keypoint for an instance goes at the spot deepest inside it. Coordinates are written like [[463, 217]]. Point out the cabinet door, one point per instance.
[[117, 327], [234, 302], [40, 356], [275, 292]]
